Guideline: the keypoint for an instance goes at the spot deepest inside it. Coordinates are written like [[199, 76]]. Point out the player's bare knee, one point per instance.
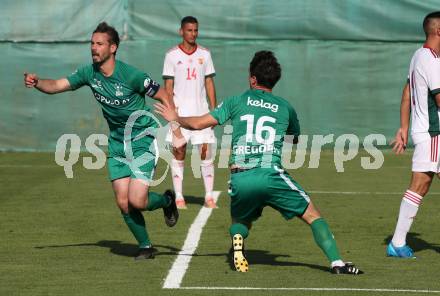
[[203, 156], [122, 202], [420, 189], [179, 153], [123, 207], [138, 204], [204, 151], [420, 183], [311, 214]]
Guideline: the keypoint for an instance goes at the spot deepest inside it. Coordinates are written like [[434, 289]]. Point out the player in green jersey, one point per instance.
[[260, 121], [120, 89]]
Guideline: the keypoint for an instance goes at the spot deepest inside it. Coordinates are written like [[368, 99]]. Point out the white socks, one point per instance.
[[408, 211], [339, 263], [207, 169], [177, 175]]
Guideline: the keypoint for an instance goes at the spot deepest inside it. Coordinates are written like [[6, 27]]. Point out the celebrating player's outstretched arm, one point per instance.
[[48, 86], [191, 123]]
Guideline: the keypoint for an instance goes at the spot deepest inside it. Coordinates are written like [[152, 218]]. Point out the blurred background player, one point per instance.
[[260, 122], [120, 89], [188, 73], [421, 99]]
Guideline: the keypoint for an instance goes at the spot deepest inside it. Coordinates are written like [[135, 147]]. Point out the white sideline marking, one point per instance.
[[180, 265], [362, 192], [311, 289]]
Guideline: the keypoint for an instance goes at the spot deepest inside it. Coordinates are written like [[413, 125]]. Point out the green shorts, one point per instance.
[[254, 189], [140, 164]]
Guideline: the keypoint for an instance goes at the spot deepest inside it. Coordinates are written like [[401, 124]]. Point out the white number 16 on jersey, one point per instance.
[[259, 129]]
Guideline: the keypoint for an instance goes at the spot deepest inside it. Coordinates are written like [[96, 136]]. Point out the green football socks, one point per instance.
[[325, 240], [136, 223], [157, 201], [238, 228]]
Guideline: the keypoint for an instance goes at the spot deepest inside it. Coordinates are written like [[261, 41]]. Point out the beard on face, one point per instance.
[[95, 57], [99, 59]]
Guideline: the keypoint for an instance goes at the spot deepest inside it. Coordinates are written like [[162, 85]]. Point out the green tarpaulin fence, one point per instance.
[[344, 62]]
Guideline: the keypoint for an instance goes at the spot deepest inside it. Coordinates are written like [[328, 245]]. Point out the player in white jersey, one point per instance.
[[188, 73], [421, 99]]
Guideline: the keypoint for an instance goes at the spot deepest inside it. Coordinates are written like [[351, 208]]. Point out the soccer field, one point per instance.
[[64, 236]]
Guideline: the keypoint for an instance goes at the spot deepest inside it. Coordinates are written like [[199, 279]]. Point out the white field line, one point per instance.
[[308, 191], [312, 289], [180, 265]]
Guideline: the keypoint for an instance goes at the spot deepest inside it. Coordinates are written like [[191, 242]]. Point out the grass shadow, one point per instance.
[[260, 257], [196, 200], [129, 250], [118, 248]]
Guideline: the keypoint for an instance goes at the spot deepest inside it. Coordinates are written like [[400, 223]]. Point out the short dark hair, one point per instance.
[[427, 22], [265, 67], [188, 20], [111, 32]]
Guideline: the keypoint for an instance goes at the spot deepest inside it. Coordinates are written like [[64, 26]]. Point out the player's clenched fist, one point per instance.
[[30, 80]]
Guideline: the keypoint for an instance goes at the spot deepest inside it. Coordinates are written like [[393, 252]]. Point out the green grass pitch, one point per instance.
[[62, 236]]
